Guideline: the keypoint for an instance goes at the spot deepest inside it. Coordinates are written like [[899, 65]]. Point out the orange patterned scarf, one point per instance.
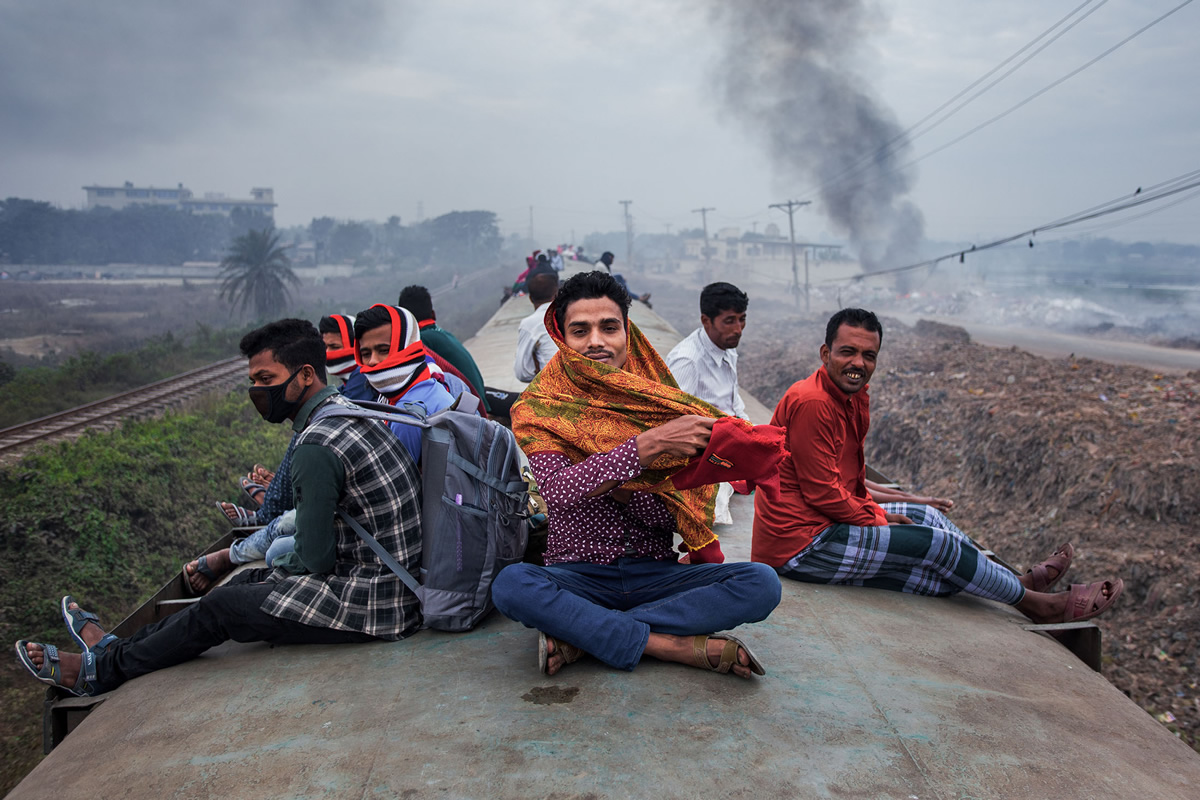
[[577, 407]]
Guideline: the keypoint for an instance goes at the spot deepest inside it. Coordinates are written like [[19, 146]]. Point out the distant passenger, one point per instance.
[[704, 363], [535, 348], [416, 299], [826, 529], [612, 586], [338, 332], [392, 357], [607, 258], [331, 589]]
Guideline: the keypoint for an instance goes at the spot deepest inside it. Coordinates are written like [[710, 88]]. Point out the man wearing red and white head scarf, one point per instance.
[[338, 332], [391, 356]]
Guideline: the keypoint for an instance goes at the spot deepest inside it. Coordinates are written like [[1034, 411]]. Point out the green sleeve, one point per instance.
[[318, 477]]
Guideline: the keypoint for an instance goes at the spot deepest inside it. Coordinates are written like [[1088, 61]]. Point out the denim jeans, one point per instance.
[[611, 610], [256, 545], [284, 544]]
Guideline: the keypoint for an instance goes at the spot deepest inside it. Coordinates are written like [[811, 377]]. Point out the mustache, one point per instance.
[[594, 354]]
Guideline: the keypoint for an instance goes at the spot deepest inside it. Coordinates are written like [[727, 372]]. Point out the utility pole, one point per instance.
[[628, 234], [703, 212], [790, 207], [531, 225]]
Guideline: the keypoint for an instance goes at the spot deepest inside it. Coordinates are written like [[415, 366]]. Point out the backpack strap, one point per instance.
[[384, 555], [407, 414]]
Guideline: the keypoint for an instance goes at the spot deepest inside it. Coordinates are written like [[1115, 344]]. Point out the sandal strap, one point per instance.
[[204, 569], [50, 651], [87, 671], [700, 652], [728, 656]]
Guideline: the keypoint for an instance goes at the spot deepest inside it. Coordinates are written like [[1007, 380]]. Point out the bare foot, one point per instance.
[[261, 475], [667, 647], [70, 662], [219, 562]]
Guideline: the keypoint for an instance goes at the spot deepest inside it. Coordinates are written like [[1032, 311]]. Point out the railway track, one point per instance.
[[109, 412]]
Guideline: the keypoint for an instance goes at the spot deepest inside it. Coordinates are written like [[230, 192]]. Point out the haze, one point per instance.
[[368, 109]]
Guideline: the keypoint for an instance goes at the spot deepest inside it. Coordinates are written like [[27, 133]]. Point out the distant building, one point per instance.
[[261, 200], [731, 245]]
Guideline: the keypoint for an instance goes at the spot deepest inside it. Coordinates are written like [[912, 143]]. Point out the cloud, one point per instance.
[[91, 77]]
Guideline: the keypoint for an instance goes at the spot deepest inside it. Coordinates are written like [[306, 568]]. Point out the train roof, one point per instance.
[[867, 694]]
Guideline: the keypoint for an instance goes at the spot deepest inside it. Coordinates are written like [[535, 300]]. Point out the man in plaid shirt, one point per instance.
[[332, 588]]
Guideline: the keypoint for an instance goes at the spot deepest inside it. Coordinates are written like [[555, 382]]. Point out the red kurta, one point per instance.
[[824, 481]]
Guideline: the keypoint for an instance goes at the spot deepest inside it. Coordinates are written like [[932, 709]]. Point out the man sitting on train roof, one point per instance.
[[273, 490], [392, 356], [704, 362], [593, 422], [340, 348], [827, 529], [417, 300], [332, 588], [535, 348], [386, 366]]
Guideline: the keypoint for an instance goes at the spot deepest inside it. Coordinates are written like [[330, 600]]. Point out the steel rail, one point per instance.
[[106, 412]]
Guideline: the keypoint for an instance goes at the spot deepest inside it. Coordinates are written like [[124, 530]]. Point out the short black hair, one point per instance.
[[329, 325], [587, 286], [719, 297], [541, 285], [293, 342], [417, 300], [370, 319], [607, 257], [855, 318]]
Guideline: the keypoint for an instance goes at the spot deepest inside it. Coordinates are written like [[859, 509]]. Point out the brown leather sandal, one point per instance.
[[1088, 600], [728, 653], [569, 652], [1061, 561]]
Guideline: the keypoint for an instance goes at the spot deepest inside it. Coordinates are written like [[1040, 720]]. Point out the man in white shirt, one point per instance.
[[535, 348], [705, 362]]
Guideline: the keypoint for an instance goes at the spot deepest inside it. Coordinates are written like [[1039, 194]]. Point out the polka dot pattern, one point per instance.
[[599, 530]]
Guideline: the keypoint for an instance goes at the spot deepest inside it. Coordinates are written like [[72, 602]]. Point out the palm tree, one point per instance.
[[258, 270]]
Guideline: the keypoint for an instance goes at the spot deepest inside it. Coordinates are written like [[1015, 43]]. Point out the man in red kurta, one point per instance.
[[825, 528]]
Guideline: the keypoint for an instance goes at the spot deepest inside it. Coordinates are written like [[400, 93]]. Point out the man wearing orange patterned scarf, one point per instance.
[[605, 427]]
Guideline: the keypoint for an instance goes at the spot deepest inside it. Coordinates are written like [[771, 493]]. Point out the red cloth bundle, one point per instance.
[[738, 451]]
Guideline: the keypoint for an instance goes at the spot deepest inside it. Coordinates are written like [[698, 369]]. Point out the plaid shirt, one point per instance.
[[382, 492]]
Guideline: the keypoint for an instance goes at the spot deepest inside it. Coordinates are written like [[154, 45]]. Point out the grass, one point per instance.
[[109, 518]]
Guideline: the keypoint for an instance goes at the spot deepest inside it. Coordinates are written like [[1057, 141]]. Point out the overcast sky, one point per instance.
[[361, 110]]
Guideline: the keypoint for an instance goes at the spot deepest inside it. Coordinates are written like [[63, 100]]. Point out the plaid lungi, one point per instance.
[[934, 558]]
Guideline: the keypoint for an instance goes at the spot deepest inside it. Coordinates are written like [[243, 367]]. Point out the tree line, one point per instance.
[[35, 232]]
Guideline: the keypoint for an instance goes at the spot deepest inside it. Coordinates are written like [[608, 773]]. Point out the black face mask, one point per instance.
[[271, 401]]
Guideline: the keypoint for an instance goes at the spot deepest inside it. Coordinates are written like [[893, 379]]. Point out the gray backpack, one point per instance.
[[474, 508]]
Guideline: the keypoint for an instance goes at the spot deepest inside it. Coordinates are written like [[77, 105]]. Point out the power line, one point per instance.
[[1174, 186], [909, 134]]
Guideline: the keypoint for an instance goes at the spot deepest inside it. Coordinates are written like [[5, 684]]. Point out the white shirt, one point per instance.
[[708, 372], [533, 342]]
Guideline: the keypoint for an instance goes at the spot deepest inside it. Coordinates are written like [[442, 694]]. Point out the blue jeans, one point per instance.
[[258, 544], [611, 610]]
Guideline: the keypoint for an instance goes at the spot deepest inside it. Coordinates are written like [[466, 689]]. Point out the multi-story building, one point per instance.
[[261, 199]]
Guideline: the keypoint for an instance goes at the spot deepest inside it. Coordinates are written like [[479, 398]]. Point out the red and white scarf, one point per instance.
[[405, 364], [341, 362]]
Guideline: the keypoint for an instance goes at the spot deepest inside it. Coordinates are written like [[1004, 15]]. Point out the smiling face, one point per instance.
[[725, 330], [595, 328], [851, 361], [375, 345]]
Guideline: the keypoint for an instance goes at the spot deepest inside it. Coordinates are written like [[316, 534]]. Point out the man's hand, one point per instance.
[[897, 519], [685, 436]]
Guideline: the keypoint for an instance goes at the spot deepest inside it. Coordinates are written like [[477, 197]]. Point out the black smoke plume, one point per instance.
[[788, 75]]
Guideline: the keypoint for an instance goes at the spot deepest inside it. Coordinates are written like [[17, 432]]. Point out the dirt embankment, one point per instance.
[[1037, 452]]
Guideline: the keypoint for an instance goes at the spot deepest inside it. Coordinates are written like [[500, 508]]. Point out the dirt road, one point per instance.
[[1052, 344]]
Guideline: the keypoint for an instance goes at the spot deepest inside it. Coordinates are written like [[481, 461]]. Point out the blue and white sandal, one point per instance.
[[51, 672], [76, 618]]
